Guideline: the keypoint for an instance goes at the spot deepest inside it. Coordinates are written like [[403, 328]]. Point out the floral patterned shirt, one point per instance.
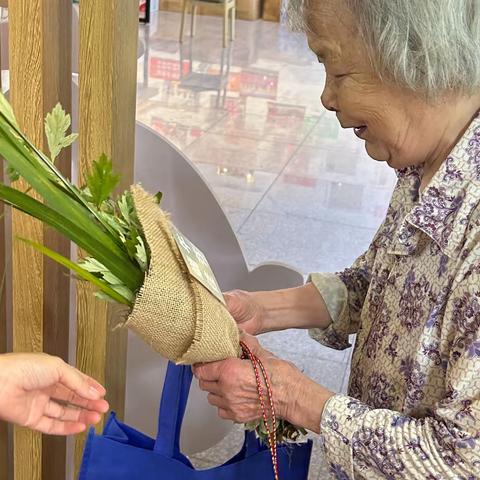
[[413, 299]]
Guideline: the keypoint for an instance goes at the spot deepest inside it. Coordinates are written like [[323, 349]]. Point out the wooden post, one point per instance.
[[4, 444], [40, 71], [4, 460], [57, 77], [4, 266], [108, 72]]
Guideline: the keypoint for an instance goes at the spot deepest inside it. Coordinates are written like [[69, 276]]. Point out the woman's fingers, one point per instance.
[[83, 385], [254, 345], [250, 340], [60, 392], [217, 401], [67, 413], [225, 414], [212, 387], [209, 372], [52, 426]]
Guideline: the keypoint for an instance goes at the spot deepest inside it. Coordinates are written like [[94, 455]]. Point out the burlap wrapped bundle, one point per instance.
[[173, 312]]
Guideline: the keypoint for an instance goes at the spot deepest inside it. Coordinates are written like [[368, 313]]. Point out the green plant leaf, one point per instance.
[[57, 123], [115, 223], [125, 206], [124, 292], [101, 181], [96, 268], [82, 273], [92, 265], [7, 110], [141, 254]]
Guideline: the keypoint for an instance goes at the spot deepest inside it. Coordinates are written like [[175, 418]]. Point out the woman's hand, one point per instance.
[[232, 388], [246, 311], [44, 393], [260, 312]]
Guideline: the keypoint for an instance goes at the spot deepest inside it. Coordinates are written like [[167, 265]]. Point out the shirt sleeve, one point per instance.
[[362, 442]]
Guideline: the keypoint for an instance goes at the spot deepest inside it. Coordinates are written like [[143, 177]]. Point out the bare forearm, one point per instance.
[[301, 307], [300, 400]]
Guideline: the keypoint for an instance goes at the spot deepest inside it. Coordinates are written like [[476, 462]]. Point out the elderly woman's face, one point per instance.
[[389, 119]]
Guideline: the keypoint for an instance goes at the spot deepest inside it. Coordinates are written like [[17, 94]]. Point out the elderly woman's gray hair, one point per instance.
[[430, 46]]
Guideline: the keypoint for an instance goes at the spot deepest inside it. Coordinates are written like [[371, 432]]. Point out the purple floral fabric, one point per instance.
[[413, 299]]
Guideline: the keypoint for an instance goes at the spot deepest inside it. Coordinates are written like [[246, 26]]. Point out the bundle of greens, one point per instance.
[[117, 256]]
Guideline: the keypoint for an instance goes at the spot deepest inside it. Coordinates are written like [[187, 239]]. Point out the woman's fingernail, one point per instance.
[[95, 393]]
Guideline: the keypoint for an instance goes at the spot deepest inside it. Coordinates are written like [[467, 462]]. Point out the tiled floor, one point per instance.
[[295, 186]]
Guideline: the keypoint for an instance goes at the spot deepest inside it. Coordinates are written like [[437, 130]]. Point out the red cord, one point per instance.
[[272, 439]]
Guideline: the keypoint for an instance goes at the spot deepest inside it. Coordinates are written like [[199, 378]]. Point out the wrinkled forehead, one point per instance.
[[331, 28]]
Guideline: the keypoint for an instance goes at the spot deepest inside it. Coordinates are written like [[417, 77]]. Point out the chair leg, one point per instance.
[[232, 26], [182, 23], [225, 25], [193, 26]]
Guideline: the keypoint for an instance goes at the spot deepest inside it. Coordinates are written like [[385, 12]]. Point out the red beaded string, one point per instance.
[[272, 440], [270, 435]]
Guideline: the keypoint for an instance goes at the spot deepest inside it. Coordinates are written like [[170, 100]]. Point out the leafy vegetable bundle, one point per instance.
[[107, 230]]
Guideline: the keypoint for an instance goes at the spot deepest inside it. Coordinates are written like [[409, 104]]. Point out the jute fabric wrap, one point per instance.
[[174, 313]]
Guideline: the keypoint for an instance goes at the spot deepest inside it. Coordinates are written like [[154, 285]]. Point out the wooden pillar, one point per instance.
[[57, 75], [4, 444], [108, 72], [40, 76], [4, 447]]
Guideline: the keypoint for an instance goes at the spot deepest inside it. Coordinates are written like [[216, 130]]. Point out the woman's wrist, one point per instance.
[[299, 400], [300, 307]]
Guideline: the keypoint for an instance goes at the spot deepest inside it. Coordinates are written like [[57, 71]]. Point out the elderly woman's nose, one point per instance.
[[328, 97]]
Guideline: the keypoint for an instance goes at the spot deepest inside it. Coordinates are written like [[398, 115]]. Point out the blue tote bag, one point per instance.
[[122, 452]]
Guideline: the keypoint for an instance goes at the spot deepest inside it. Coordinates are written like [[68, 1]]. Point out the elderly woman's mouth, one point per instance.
[[359, 131]]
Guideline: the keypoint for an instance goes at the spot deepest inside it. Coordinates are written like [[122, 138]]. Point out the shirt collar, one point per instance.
[[442, 211]]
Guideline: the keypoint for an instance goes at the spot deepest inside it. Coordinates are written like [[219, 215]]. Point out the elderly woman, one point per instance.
[[405, 76]]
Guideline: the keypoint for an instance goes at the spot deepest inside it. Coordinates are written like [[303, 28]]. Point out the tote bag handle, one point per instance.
[[172, 410]]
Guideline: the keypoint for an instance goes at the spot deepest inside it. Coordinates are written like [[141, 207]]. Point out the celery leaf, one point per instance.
[[57, 123], [101, 180]]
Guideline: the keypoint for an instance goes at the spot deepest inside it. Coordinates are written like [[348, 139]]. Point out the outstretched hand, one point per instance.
[[46, 394]]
